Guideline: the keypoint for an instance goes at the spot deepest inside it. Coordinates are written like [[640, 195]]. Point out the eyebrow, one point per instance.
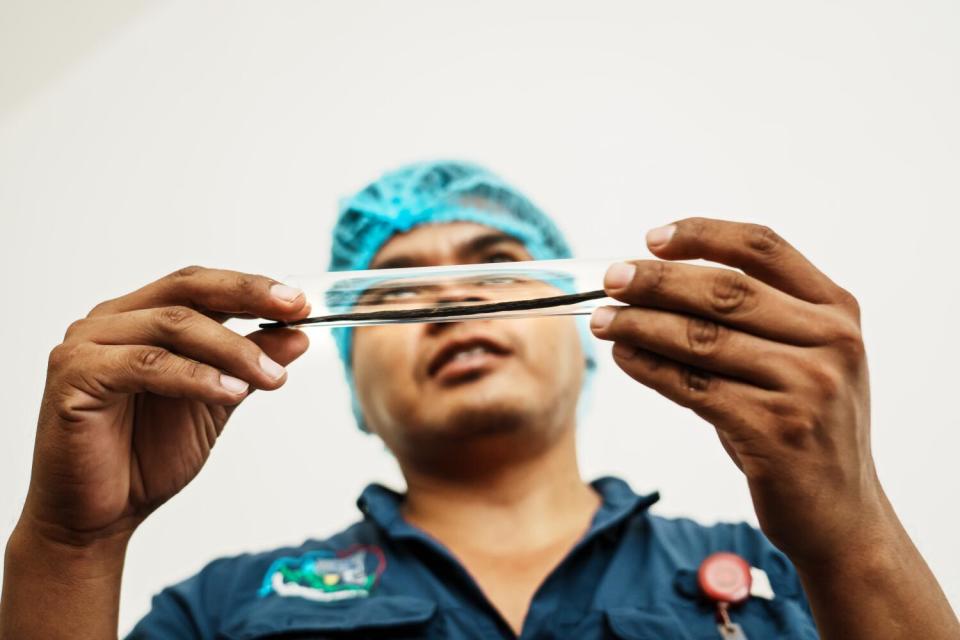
[[472, 246]]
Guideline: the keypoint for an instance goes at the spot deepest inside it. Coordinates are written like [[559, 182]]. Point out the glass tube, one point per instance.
[[452, 293]]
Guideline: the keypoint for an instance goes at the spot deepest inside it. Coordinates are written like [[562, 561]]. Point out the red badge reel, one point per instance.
[[725, 578]]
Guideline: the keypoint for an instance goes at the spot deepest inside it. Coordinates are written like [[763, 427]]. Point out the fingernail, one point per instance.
[[661, 235], [619, 275], [285, 293], [231, 384], [270, 367], [601, 317]]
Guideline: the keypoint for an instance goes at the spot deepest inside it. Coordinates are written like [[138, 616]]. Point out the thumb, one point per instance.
[[281, 345]]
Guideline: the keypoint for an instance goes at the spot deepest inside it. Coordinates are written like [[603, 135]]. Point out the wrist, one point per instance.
[[868, 546], [36, 548], [876, 585], [43, 523], [76, 586]]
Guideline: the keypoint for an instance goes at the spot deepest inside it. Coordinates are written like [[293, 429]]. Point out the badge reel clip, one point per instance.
[[726, 580]]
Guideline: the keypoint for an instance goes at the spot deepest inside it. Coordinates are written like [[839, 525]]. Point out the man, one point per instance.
[[497, 536]]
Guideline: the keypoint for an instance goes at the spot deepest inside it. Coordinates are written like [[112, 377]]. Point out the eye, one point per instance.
[[398, 293], [499, 280], [387, 293], [500, 256]]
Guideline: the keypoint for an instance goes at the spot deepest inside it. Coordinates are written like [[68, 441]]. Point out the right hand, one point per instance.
[[139, 391]]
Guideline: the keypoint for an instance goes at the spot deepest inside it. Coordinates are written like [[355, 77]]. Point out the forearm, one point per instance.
[[878, 588], [55, 590]]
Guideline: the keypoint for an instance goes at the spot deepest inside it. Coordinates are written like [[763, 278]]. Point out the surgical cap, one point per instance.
[[430, 193]]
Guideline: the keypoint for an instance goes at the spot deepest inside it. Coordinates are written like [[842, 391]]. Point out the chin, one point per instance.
[[465, 423], [481, 412]]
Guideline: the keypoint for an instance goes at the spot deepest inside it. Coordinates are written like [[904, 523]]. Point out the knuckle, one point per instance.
[[763, 240], [245, 285], [796, 422], [636, 358], [652, 276], [696, 227], [151, 359], [71, 361], [826, 380], [847, 339], [175, 318], [74, 327], [703, 336], [650, 361], [730, 291], [187, 272], [627, 325], [193, 370], [696, 381], [849, 302], [99, 309], [59, 356], [799, 429], [782, 406]]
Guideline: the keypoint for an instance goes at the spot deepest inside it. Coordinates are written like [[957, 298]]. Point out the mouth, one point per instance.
[[467, 357]]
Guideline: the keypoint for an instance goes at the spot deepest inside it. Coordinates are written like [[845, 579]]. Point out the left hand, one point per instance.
[[773, 357]]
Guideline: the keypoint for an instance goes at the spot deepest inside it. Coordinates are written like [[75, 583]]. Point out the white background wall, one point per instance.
[[139, 137]]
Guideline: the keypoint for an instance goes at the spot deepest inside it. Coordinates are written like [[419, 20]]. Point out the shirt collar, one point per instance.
[[382, 505]]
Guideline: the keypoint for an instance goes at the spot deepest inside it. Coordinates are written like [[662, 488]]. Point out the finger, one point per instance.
[[220, 293], [189, 333], [103, 370], [723, 295], [725, 403], [701, 343], [755, 249], [282, 345]]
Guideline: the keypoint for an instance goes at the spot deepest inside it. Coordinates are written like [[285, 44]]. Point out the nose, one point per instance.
[[452, 296]]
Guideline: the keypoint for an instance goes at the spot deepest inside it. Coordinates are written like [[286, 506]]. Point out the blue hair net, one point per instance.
[[430, 193]]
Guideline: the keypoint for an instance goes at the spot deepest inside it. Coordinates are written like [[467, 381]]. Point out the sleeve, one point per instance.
[[190, 609]]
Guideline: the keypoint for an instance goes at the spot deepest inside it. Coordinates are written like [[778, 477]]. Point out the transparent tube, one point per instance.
[[452, 293]]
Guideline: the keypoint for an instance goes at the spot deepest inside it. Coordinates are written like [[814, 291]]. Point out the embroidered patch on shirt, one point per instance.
[[326, 576]]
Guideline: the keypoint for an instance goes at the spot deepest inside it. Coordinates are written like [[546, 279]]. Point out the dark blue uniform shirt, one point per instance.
[[632, 575]]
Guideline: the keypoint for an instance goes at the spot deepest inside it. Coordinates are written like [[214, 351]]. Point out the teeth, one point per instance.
[[469, 353]]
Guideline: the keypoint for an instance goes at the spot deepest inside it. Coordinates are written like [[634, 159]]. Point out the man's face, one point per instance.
[[510, 375]]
